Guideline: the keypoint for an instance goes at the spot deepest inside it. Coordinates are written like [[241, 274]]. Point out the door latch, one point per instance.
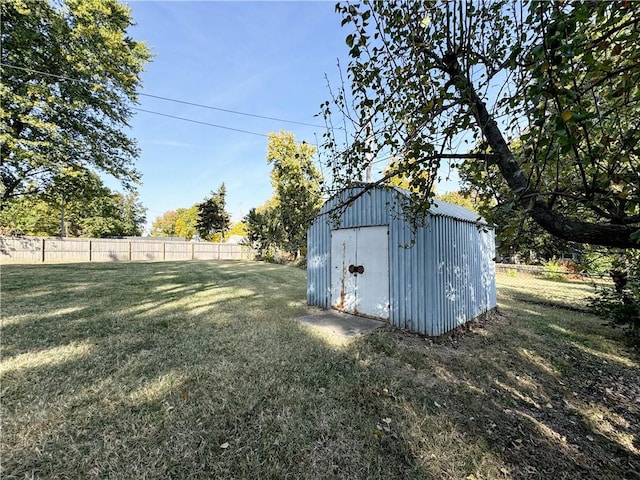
[[356, 269]]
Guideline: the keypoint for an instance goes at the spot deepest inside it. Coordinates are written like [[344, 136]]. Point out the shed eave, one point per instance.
[[438, 208]]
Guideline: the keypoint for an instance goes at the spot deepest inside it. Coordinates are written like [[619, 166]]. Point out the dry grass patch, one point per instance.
[[536, 392], [199, 370]]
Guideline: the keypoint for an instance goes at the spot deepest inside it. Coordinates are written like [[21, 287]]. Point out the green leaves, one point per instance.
[[212, 216], [75, 111], [77, 204], [176, 223], [284, 220], [350, 39], [564, 78]]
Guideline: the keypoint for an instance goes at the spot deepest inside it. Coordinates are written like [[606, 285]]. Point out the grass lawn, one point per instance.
[[192, 370]]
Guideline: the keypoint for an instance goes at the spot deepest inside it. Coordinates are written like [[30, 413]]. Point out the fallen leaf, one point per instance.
[[224, 445], [386, 420]]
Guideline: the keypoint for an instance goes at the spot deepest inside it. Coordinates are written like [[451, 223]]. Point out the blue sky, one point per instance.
[[263, 58]]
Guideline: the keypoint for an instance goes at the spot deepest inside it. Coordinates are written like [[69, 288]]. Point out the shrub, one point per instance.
[[554, 270], [620, 302], [572, 268], [596, 262]]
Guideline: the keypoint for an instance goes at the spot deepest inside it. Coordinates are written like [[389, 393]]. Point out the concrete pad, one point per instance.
[[338, 328]]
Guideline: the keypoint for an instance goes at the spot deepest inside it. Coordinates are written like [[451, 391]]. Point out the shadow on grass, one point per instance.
[[549, 396], [198, 370], [186, 370]]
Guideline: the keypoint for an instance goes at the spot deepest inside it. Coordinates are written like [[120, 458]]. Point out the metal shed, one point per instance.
[[371, 261]]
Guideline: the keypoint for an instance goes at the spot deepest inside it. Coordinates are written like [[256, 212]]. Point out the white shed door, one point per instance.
[[360, 271]]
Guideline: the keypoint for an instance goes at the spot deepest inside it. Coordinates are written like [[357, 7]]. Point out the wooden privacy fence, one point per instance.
[[39, 250]]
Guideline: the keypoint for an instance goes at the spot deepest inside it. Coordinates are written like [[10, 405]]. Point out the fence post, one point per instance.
[[129, 250], [193, 245], [90, 247], [43, 244], [164, 251]]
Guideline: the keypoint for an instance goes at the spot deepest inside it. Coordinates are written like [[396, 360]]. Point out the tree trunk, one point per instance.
[[620, 278], [63, 230], [558, 225]]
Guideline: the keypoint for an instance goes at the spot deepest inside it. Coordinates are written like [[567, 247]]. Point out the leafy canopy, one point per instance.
[[212, 217], [264, 229], [282, 222], [83, 208], [460, 82], [70, 72], [176, 223]]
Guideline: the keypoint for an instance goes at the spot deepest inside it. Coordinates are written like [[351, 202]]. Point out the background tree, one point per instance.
[[296, 182], [176, 223], [396, 175], [264, 229], [70, 190], [212, 216], [186, 222], [165, 224], [562, 78], [101, 214], [132, 213], [29, 216], [238, 228], [70, 72], [463, 199]]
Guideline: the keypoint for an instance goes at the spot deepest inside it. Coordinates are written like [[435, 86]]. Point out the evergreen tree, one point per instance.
[[212, 216]]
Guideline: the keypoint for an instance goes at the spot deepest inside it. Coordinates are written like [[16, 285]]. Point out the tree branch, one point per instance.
[[558, 225]]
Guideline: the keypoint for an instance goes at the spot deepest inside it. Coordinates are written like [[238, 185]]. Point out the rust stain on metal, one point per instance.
[[340, 305]]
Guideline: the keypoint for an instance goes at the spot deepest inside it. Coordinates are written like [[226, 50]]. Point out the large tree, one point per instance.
[[296, 181], [70, 72], [438, 81]]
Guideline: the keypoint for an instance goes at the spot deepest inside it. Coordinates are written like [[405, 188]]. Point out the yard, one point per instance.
[[198, 370]]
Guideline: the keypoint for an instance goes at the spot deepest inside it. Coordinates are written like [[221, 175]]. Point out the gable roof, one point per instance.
[[438, 208], [445, 209]]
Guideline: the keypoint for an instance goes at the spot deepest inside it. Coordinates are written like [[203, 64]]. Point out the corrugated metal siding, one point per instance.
[[441, 275], [445, 209]]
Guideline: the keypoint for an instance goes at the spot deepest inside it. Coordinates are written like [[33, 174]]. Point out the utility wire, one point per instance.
[[167, 99], [198, 121], [229, 111]]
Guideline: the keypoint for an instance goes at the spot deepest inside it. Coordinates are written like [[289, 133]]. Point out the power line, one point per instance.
[[229, 111], [167, 99], [199, 122]]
